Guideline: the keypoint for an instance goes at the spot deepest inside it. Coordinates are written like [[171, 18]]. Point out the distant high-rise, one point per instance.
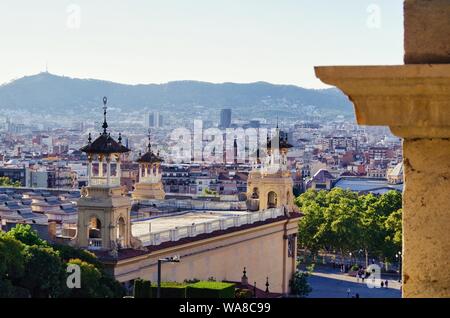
[[225, 118], [155, 120], [254, 124]]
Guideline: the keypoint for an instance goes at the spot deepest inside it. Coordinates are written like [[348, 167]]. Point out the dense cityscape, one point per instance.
[[236, 193]]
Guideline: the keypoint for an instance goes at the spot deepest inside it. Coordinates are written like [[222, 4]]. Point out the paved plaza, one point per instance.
[[330, 283]]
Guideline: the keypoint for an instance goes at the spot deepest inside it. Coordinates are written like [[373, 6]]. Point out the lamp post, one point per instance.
[[174, 259], [399, 259]]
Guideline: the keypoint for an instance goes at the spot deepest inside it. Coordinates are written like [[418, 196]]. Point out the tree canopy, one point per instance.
[[345, 222], [31, 267], [6, 182]]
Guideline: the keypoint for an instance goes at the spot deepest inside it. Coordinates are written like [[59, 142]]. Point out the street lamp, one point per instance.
[[399, 259], [174, 259]]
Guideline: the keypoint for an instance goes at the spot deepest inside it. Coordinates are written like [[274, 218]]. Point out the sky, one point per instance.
[[156, 41]]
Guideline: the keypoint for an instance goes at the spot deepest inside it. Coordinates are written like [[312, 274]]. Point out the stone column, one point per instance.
[[100, 166], [118, 168], [89, 169], [108, 170], [414, 101], [426, 217]]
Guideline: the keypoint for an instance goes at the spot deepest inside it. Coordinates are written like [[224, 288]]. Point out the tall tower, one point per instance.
[[104, 221], [225, 118], [150, 185], [270, 182]]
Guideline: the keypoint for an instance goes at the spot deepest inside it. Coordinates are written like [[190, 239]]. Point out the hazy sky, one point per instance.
[[155, 41]]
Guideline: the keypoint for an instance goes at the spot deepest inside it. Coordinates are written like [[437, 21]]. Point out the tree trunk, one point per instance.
[[367, 258]]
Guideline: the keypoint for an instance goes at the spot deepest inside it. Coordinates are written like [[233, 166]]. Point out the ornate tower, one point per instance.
[[103, 211], [270, 183], [149, 185]]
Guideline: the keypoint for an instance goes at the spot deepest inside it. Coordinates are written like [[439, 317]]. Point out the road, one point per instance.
[[330, 283]]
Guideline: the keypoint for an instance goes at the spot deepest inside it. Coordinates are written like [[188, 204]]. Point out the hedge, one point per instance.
[[169, 290], [210, 290], [142, 289]]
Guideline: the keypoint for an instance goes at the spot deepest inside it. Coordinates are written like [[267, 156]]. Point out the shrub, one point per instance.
[[25, 234], [355, 268], [210, 290], [169, 290], [67, 253], [142, 289], [299, 284]]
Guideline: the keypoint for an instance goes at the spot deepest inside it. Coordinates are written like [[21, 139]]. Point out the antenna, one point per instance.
[[149, 140]]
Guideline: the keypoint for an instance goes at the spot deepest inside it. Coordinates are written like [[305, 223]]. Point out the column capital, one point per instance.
[[413, 100]]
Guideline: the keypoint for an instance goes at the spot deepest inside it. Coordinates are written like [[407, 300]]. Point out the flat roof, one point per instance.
[[365, 184], [164, 223]]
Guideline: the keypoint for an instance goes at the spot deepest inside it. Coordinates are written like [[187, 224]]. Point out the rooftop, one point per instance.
[[130, 253], [363, 184], [104, 144], [164, 223]]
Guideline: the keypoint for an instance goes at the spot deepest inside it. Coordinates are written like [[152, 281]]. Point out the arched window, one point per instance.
[[255, 193], [272, 200], [95, 228], [120, 230]]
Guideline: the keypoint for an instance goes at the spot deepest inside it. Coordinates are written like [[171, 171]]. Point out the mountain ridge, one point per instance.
[[48, 92]]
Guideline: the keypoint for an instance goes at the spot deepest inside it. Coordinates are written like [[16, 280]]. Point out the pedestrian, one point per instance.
[[357, 277], [382, 284], [386, 283], [357, 295]]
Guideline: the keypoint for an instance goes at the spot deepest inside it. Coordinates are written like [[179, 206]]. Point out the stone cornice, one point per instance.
[[413, 100]]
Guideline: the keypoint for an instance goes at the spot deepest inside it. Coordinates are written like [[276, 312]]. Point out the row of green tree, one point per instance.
[[31, 267], [343, 222]]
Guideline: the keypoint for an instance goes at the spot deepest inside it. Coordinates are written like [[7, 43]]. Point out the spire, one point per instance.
[[105, 124], [149, 141], [90, 138], [120, 138]]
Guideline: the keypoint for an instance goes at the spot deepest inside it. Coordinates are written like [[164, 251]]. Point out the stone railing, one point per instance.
[[103, 181], [190, 204], [173, 235], [95, 244]]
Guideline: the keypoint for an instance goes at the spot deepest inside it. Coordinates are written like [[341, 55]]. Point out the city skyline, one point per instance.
[[156, 42]]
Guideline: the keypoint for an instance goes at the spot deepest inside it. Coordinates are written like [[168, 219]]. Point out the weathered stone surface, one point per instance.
[[412, 99], [148, 191], [427, 31], [426, 218]]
